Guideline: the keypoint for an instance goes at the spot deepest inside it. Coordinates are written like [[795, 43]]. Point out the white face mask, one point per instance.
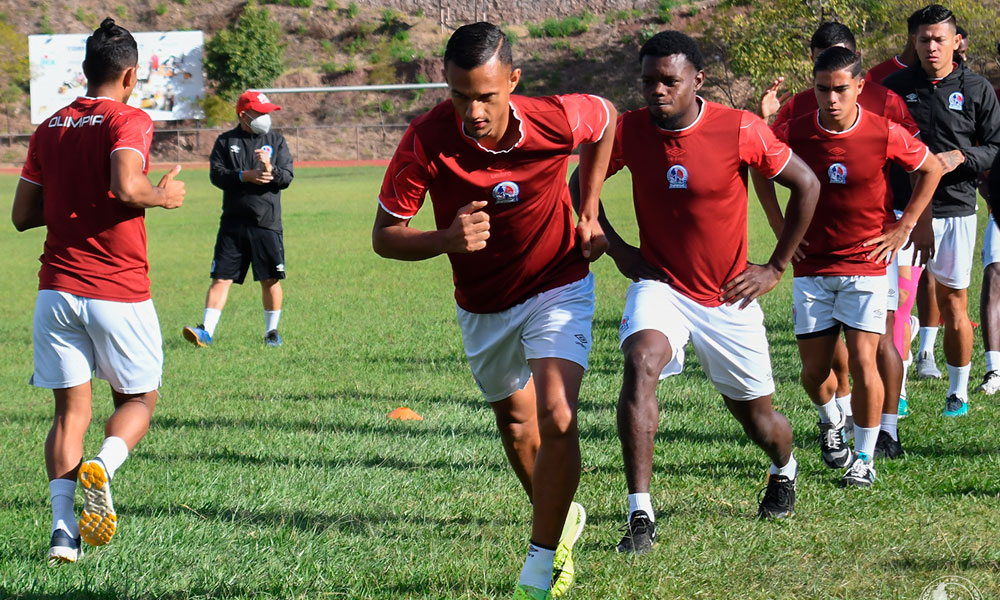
[[261, 124]]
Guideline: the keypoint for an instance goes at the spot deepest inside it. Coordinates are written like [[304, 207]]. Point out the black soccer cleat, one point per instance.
[[886, 447], [779, 498], [640, 534], [832, 444]]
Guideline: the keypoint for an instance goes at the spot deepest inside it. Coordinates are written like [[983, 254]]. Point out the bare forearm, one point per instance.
[[139, 196], [799, 213], [594, 159], [405, 243]]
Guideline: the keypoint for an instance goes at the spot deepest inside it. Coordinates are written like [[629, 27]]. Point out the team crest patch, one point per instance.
[[837, 173], [505, 192], [677, 177], [235, 149], [956, 101], [624, 326], [267, 148]]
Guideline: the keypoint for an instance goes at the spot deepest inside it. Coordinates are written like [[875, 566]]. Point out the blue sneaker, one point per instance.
[[198, 336], [955, 407], [272, 339], [904, 408], [63, 548]]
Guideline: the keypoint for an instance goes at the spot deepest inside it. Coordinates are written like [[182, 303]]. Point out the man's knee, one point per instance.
[[558, 422], [644, 361]]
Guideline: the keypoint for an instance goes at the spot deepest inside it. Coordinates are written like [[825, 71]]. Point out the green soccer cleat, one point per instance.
[[563, 571], [526, 592]]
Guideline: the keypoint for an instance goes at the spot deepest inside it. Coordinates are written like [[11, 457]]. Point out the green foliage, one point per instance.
[[665, 10], [352, 10], [619, 16], [419, 13], [561, 45], [85, 16], [332, 5], [390, 18], [558, 28], [327, 45], [14, 67], [161, 8], [511, 36], [217, 110], [387, 107], [300, 3], [44, 26], [247, 54], [183, 2], [400, 48], [121, 11]]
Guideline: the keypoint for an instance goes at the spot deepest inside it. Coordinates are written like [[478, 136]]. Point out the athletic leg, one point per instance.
[[867, 396], [989, 319], [646, 353], [517, 421]]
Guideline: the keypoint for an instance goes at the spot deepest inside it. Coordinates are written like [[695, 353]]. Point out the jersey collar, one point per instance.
[[702, 107], [520, 130], [857, 121]]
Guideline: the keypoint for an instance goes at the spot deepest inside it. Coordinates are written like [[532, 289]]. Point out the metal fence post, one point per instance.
[[357, 142]]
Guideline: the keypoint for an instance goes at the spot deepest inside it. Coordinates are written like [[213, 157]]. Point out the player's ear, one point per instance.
[[699, 80], [130, 77], [515, 78], [861, 82]]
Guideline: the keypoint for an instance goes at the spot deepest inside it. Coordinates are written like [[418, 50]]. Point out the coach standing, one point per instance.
[[959, 120], [251, 164]]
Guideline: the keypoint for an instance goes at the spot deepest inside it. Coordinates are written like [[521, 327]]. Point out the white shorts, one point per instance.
[[118, 341], [954, 243], [553, 324], [822, 302], [731, 344], [904, 257], [892, 284], [991, 242]]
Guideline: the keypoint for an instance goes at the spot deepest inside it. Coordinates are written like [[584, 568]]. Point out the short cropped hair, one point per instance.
[[962, 32], [838, 58], [832, 34], [932, 14], [110, 50], [668, 43], [475, 44]]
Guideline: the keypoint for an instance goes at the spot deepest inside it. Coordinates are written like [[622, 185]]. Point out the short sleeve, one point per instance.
[[32, 169], [895, 110], [759, 147], [904, 149], [617, 162], [132, 130], [587, 116], [406, 178]]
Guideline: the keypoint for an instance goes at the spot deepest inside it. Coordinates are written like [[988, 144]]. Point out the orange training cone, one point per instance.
[[404, 414]]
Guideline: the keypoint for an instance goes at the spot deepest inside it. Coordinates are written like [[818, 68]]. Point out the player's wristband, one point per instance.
[[240, 176]]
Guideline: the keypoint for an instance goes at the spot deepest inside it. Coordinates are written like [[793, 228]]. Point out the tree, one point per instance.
[[247, 54]]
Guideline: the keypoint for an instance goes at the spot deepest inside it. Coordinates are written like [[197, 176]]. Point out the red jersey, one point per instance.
[[690, 192], [852, 206], [95, 246], [879, 72], [532, 245]]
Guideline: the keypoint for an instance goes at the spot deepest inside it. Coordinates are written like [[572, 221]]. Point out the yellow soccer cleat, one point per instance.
[[98, 520], [563, 571]]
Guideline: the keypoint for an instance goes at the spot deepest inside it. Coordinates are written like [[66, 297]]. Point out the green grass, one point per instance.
[[275, 474]]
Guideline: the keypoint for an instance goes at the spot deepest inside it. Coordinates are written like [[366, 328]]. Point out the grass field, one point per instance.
[[275, 474]]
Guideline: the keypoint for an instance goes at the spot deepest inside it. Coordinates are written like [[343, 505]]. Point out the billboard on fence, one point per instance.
[[170, 73]]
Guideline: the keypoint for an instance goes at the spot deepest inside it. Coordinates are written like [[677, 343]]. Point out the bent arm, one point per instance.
[[804, 187], [615, 241], [925, 182], [26, 212], [130, 185], [593, 167], [392, 237], [282, 166]]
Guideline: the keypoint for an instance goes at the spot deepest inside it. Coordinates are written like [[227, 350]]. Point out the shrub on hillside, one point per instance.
[[247, 54]]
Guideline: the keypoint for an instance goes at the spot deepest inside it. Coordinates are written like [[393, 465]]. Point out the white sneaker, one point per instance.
[[991, 383], [926, 367], [63, 548]]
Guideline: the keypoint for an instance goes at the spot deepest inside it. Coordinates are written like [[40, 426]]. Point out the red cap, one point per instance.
[[256, 101]]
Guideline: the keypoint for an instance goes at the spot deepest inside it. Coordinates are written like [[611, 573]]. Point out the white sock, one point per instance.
[[992, 361], [789, 470], [642, 502], [271, 318], [889, 425], [844, 404], [113, 453], [864, 440], [928, 335], [62, 493], [958, 381], [829, 412], [211, 320], [537, 570]]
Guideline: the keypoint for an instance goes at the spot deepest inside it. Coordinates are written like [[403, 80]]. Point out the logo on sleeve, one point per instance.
[[837, 173], [677, 177], [956, 101], [505, 192], [911, 98]]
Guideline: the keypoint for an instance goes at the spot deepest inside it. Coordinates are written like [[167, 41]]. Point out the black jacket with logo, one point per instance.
[[959, 112], [249, 203]]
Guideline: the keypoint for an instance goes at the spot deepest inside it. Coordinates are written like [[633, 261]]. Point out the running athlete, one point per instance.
[[841, 280], [93, 314], [494, 165]]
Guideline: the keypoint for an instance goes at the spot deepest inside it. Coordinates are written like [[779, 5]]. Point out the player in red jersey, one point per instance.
[[840, 282], [688, 159], [93, 312], [494, 165], [881, 101], [897, 62]]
